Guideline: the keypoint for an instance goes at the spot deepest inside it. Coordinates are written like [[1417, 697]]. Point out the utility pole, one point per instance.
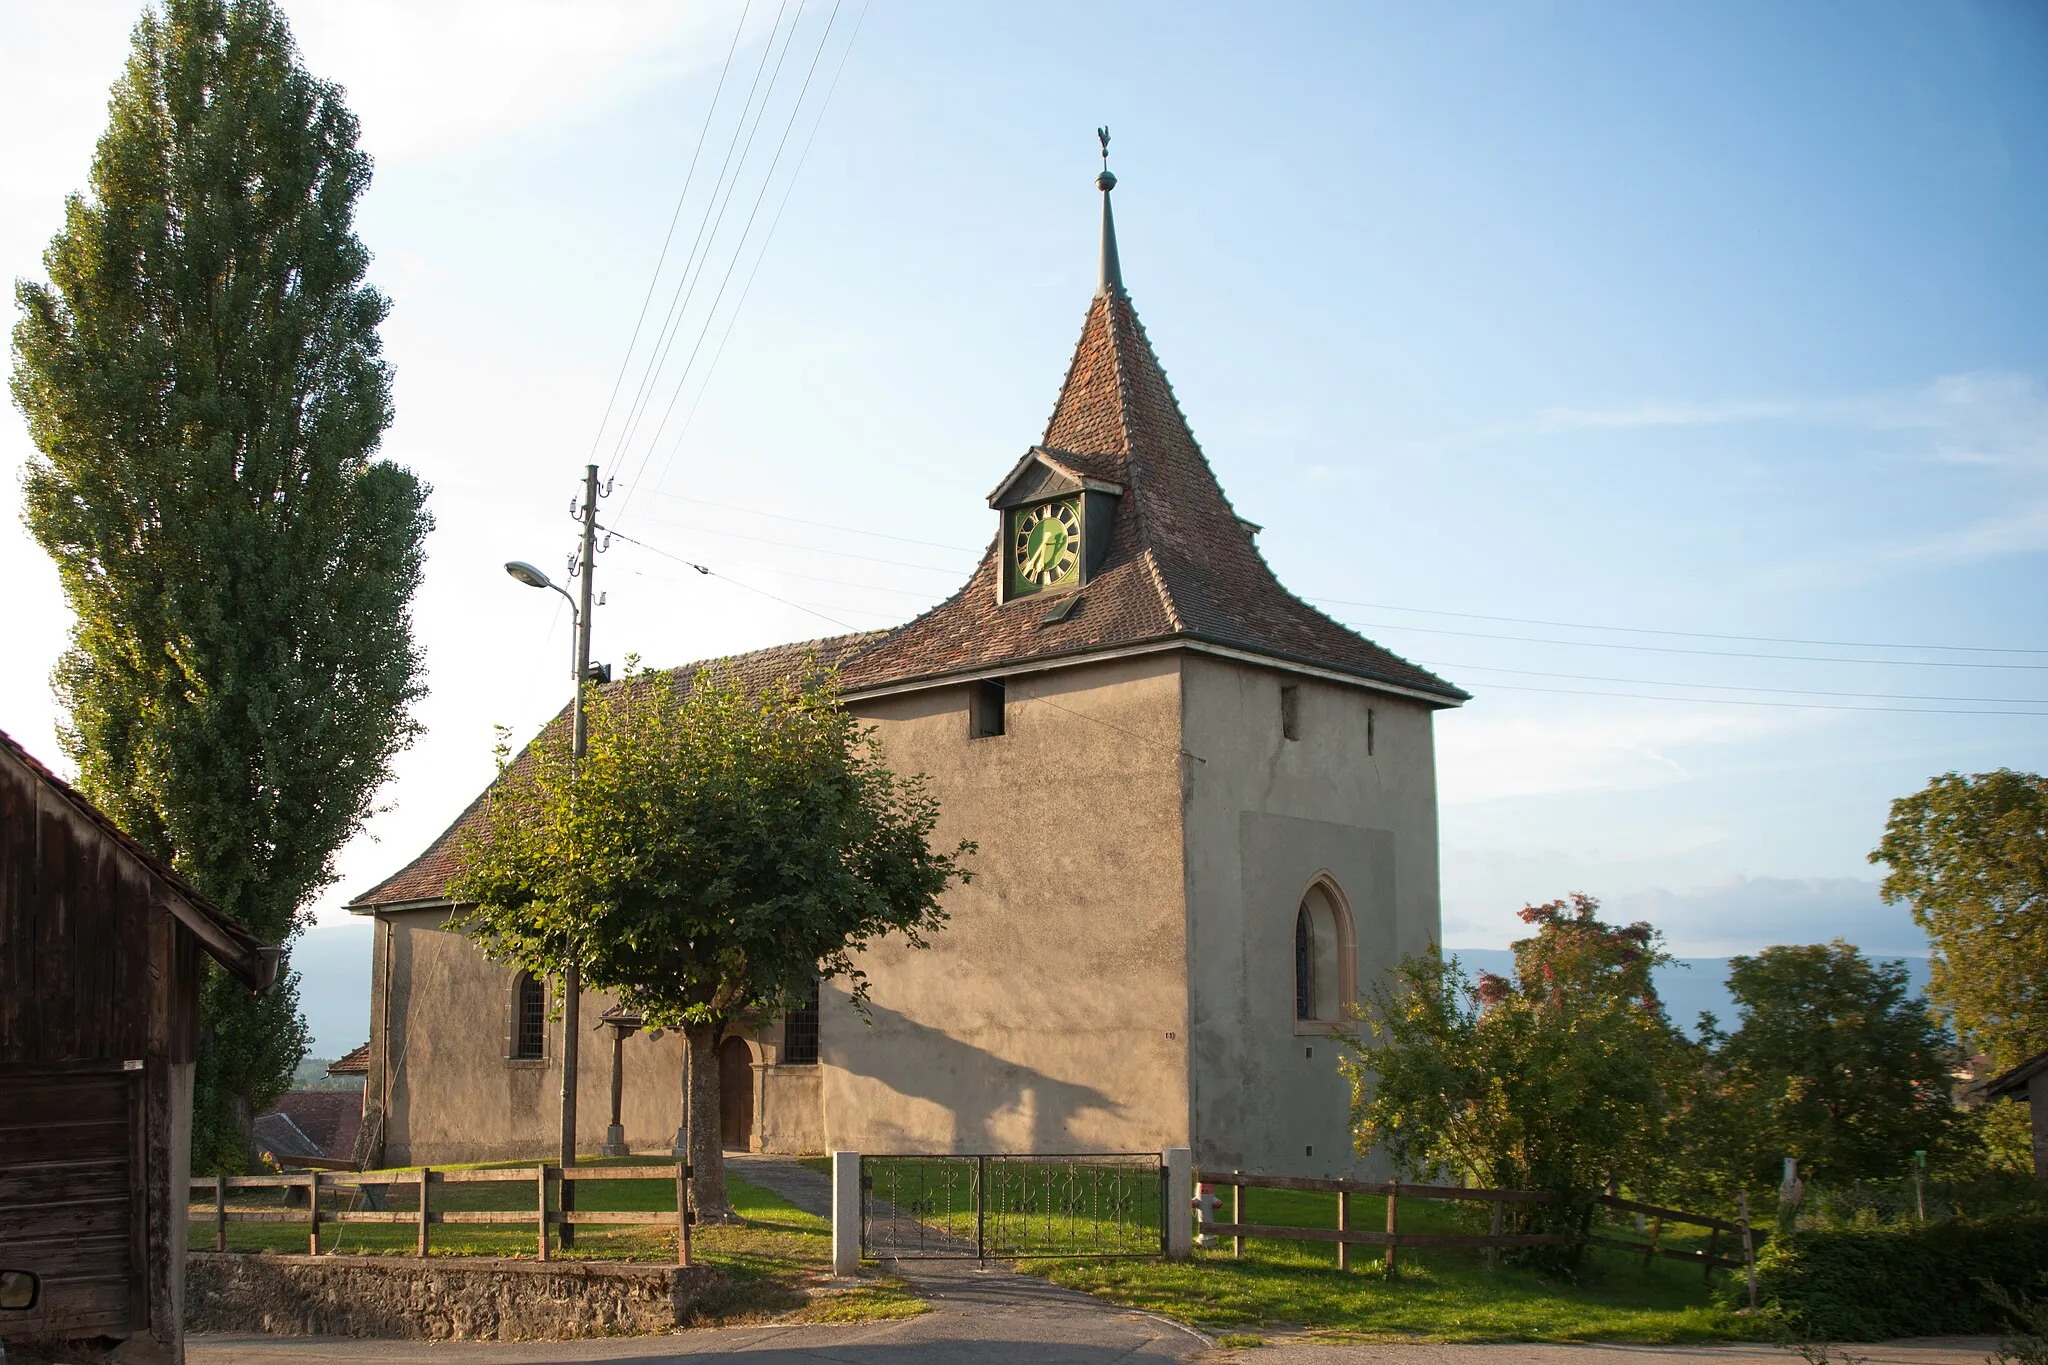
[[572, 977]]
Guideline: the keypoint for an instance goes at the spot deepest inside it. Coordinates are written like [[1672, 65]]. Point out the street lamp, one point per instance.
[[534, 578]]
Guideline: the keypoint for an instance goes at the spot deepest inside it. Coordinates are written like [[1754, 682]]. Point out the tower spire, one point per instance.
[[1110, 277]]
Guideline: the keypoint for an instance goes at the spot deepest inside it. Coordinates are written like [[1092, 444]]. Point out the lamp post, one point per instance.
[[572, 978]]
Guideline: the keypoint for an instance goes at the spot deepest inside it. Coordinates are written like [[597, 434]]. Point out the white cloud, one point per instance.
[[433, 80], [1626, 748]]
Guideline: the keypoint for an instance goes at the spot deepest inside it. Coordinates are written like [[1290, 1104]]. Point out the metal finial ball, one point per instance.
[[1105, 182]]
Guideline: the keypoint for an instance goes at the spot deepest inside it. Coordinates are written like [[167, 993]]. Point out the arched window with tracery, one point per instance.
[[1325, 959]]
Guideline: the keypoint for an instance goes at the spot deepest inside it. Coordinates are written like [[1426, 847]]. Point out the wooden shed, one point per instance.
[[100, 970]]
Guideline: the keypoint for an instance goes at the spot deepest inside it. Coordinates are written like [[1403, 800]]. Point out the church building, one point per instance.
[[1206, 818]]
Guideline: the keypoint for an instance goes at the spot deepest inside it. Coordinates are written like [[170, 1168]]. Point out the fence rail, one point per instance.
[[1391, 1239], [537, 1178]]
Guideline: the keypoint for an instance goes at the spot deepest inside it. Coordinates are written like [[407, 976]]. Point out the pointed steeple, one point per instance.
[[1180, 566], [1110, 275]]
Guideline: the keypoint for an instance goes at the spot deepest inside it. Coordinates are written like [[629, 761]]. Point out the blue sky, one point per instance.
[[1724, 319]]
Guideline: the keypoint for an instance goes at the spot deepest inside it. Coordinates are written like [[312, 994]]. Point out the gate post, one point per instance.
[[846, 1213], [1179, 1164]]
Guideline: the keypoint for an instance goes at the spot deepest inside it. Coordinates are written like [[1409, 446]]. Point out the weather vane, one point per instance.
[[1106, 179]]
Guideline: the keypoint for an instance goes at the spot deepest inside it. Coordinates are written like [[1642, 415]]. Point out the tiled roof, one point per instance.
[[426, 877], [1181, 564], [354, 1062]]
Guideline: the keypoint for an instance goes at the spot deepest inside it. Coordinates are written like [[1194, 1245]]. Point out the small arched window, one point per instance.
[[529, 1018], [1325, 959]]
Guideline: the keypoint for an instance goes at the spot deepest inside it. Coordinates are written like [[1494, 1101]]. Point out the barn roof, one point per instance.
[[226, 939], [2019, 1081]]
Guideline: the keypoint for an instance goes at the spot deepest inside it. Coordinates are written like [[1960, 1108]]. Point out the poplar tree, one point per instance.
[[203, 380]]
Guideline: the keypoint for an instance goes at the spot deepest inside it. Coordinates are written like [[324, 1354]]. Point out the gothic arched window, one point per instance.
[[1325, 959], [529, 1018], [1304, 965]]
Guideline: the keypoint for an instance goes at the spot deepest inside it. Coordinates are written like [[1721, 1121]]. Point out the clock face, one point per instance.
[[1045, 545]]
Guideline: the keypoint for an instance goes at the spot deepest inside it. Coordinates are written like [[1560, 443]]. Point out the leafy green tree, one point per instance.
[[202, 378], [1553, 1080], [713, 857], [1832, 1062], [1970, 855]]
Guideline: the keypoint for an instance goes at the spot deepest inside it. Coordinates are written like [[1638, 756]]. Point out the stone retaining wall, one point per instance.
[[436, 1299]]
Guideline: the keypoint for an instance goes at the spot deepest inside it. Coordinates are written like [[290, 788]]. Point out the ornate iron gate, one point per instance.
[[1009, 1207]]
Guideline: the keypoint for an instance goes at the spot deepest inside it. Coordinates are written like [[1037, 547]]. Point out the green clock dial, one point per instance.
[[1045, 545]]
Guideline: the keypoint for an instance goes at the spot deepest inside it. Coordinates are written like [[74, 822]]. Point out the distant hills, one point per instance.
[[333, 961], [1687, 986]]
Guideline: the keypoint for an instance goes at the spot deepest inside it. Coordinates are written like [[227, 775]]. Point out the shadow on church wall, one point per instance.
[[991, 1103]]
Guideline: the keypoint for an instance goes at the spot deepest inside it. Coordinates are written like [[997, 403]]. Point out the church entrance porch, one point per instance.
[[736, 1094]]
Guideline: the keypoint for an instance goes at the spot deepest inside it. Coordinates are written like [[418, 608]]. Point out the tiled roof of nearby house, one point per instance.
[[1181, 564], [225, 938], [425, 879], [278, 1136], [354, 1062], [326, 1119]]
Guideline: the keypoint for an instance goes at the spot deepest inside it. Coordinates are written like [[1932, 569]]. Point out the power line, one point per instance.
[[1706, 653], [710, 572], [805, 521], [626, 360], [739, 249], [797, 545], [1736, 687], [1685, 634], [685, 289], [747, 290], [1742, 701]]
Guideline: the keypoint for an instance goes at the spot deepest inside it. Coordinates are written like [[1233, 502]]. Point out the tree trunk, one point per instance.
[[707, 1153]]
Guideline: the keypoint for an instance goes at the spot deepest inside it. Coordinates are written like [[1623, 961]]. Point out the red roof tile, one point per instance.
[[426, 878]]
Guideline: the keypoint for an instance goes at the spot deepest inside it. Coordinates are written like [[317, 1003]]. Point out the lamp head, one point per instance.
[[527, 574]]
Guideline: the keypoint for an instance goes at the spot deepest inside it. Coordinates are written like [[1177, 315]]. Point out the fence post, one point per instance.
[[220, 1212], [1179, 1165], [313, 1214], [846, 1213], [425, 1173], [1237, 1217], [1343, 1225], [683, 1213], [981, 1209], [540, 1195], [1748, 1245], [1495, 1230], [1392, 1263]]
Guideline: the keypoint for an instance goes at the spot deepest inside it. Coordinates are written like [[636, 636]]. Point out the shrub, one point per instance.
[[1872, 1283]]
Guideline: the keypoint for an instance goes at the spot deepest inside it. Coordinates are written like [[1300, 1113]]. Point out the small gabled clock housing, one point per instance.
[[1056, 512]]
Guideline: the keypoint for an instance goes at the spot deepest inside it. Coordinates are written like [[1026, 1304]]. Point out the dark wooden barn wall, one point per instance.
[[74, 932]]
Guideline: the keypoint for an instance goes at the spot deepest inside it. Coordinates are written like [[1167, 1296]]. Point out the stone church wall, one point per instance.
[[1268, 816], [1050, 1014], [456, 1096]]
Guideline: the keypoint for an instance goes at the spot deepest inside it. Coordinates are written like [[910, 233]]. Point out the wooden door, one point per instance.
[[735, 1094], [71, 1197]]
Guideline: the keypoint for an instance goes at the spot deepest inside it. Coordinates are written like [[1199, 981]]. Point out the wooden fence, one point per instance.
[[537, 1178], [1346, 1235]]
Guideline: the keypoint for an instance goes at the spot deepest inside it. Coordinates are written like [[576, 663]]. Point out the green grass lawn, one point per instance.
[[1438, 1295], [776, 1260]]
